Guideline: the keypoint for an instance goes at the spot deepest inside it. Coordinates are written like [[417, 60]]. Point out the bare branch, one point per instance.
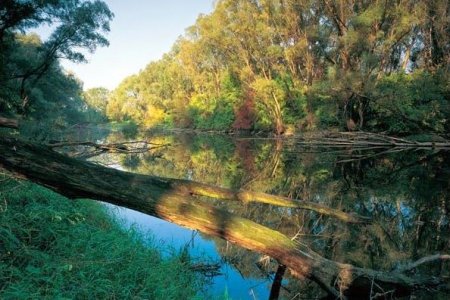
[[93, 149], [423, 260]]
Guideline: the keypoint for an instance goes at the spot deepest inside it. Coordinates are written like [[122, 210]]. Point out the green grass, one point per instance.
[[55, 248]]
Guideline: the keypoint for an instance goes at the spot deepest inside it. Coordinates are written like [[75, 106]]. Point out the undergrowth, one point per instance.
[[55, 248]]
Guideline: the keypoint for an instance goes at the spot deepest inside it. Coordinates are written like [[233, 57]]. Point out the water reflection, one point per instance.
[[405, 192], [173, 238]]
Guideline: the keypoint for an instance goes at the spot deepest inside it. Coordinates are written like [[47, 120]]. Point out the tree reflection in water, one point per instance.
[[405, 193]]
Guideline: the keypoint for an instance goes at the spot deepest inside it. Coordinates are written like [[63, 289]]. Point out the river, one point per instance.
[[405, 192]]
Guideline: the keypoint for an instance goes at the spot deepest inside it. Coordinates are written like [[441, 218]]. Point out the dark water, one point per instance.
[[406, 192]]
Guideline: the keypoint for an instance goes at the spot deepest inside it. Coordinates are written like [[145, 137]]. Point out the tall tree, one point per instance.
[[79, 26]]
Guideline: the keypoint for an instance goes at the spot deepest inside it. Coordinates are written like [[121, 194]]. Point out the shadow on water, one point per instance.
[[404, 192]]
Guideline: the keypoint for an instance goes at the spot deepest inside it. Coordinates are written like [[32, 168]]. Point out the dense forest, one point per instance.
[[283, 66], [280, 66]]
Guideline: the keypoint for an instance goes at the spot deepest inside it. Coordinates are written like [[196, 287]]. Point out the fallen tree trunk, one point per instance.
[[157, 197], [187, 187]]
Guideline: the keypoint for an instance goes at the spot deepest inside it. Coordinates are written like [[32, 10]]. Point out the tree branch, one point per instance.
[[423, 260]]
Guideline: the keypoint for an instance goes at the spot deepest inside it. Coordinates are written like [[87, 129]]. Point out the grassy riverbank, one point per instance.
[[52, 247]]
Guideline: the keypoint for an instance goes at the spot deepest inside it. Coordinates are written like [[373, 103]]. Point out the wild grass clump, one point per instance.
[[52, 247]]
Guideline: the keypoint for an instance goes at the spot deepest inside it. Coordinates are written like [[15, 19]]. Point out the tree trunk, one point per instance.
[[159, 197]]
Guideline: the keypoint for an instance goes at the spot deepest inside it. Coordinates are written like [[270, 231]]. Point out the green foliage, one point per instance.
[[32, 82], [220, 118], [96, 100], [410, 103], [324, 106], [52, 103], [216, 114], [296, 105], [51, 247], [223, 117], [79, 24], [230, 88], [140, 99], [129, 129], [270, 101]]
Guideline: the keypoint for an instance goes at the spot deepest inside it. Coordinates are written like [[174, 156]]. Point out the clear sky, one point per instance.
[[142, 31]]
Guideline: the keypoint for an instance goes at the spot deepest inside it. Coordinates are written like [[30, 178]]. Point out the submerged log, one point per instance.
[[156, 197], [9, 123]]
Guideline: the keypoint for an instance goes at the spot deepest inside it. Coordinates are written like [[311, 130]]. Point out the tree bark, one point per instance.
[[158, 197]]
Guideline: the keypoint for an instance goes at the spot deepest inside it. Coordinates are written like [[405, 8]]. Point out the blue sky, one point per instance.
[[142, 31]]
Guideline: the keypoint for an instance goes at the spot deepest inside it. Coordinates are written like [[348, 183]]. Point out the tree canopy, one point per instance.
[[292, 65], [31, 78]]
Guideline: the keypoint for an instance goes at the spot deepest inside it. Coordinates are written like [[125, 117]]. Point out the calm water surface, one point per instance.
[[404, 191]]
